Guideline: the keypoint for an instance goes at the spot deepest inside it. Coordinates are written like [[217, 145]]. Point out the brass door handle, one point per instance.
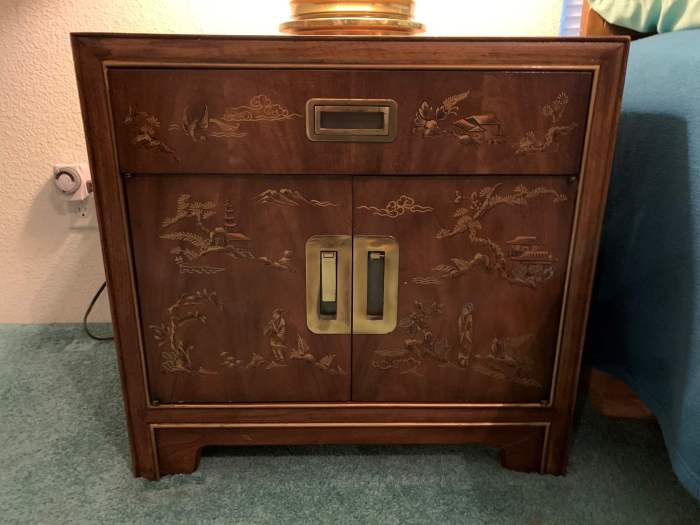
[[328, 283], [375, 284], [342, 271]]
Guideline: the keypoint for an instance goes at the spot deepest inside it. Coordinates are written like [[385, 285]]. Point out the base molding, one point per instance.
[[177, 448]]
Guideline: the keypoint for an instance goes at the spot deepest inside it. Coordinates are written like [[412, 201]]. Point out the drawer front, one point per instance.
[[255, 121], [220, 279], [482, 264]]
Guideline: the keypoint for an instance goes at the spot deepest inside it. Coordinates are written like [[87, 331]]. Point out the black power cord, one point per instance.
[[87, 313]]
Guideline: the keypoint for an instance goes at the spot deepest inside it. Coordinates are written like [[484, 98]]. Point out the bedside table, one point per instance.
[[349, 240]]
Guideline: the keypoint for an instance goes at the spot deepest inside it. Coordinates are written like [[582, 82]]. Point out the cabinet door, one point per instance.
[[482, 265], [220, 272]]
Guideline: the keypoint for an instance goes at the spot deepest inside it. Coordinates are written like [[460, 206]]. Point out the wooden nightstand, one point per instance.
[[349, 240]]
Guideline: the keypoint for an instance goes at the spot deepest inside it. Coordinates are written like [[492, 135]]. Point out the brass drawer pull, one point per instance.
[[351, 120]]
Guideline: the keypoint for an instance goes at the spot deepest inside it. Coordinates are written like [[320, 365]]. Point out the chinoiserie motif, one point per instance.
[[221, 286], [473, 121], [176, 353], [553, 112], [507, 358], [144, 130], [396, 208], [280, 353], [286, 197], [201, 236], [231, 124], [482, 325], [446, 120], [524, 261]]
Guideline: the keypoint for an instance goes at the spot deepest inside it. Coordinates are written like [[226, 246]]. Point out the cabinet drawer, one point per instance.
[[254, 121]]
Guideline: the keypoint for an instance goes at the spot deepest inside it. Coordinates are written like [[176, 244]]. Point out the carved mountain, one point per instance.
[[287, 198]]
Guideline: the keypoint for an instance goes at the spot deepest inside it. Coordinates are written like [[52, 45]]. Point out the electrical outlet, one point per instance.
[[74, 184], [82, 214]]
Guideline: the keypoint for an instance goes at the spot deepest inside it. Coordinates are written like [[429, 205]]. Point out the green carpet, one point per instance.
[[64, 459]]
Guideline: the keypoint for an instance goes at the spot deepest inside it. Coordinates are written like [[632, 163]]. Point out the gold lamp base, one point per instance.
[[352, 17]]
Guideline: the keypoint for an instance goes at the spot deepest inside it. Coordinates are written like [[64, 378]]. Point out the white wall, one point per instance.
[[48, 272]]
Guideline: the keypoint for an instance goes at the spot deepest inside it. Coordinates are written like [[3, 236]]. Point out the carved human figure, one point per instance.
[[276, 330], [465, 324]]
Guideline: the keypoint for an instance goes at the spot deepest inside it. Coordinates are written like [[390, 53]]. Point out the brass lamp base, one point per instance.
[[352, 17]]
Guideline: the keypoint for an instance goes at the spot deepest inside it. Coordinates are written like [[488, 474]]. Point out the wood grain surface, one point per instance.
[[246, 248], [482, 266], [468, 122]]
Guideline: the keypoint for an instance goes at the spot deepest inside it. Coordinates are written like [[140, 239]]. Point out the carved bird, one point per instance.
[[449, 105], [281, 264], [196, 128], [286, 258], [326, 361]]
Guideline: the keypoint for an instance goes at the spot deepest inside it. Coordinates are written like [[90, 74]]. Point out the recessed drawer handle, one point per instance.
[[351, 120]]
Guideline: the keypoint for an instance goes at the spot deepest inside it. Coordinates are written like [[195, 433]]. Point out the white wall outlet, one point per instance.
[[73, 181], [82, 214], [74, 185]]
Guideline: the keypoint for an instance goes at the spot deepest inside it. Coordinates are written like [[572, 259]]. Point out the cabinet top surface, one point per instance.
[[438, 52], [356, 38]]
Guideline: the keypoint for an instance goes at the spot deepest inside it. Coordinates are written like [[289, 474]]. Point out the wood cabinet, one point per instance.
[[349, 240]]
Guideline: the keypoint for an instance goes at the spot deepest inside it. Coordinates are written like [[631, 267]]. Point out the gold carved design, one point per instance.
[[524, 261], [198, 269], [400, 206], [176, 355], [554, 111], [508, 358], [282, 263], [423, 345], [203, 239], [280, 354], [260, 108], [446, 120], [145, 131], [284, 197]]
